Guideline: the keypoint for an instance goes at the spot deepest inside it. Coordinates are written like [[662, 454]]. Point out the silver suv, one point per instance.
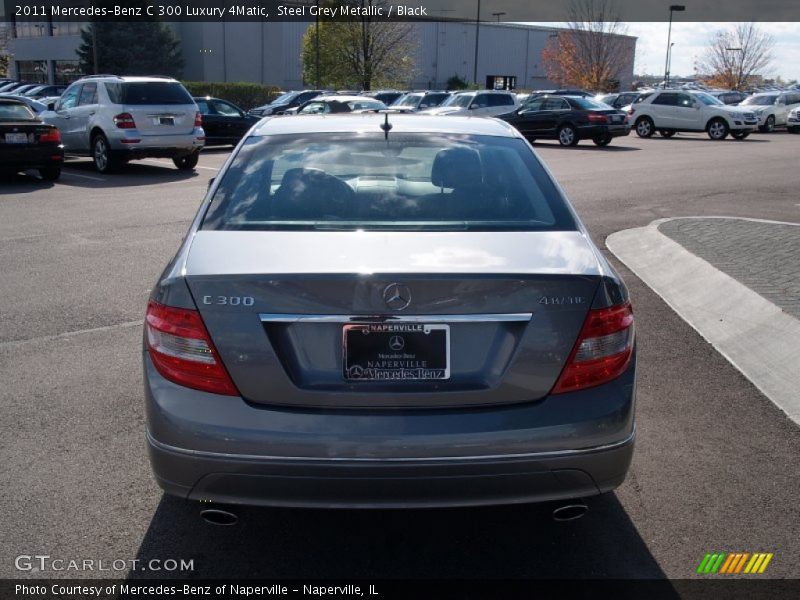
[[116, 119]]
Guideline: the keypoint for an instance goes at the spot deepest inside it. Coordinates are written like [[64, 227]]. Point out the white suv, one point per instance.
[[670, 111], [116, 119], [772, 108], [483, 103], [793, 121]]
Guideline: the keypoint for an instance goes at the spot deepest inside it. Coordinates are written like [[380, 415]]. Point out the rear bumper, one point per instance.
[[21, 159], [222, 449], [602, 131], [132, 143]]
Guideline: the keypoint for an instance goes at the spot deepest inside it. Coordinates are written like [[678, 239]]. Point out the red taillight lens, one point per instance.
[[182, 351], [124, 121], [198, 119], [602, 352], [597, 118], [52, 136]]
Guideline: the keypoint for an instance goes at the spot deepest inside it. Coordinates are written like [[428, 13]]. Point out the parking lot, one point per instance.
[[715, 465]]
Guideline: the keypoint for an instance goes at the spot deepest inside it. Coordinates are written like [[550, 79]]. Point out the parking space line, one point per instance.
[[71, 174]]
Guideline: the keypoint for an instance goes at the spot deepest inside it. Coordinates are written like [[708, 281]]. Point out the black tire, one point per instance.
[[102, 156], [739, 135], [645, 127], [666, 134], [568, 136], [50, 173], [602, 141], [187, 162], [717, 129], [768, 126], [793, 129]]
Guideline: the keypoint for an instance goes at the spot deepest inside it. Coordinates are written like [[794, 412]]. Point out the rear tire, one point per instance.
[[188, 162], [768, 126], [717, 129], [50, 173], [104, 160], [567, 136], [645, 127], [602, 141]]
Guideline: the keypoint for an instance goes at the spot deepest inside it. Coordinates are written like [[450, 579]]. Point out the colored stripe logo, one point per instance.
[[734, 563]]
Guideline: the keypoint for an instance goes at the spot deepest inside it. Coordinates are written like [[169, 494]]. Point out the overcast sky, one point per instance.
[[691, 40]]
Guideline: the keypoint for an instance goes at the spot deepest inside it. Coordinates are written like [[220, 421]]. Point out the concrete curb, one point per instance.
[[756, 336]]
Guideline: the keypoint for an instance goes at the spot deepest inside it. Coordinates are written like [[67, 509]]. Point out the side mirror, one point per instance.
[[51, 106]]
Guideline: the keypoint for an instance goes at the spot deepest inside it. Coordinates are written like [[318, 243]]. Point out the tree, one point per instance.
[[5, 60], [591, 52], [364, 51], [735, 55], [131, 48], [456, 82]]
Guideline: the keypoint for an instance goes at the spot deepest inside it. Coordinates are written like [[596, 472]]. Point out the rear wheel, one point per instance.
[[717, 129], [567, 136], [102, 156], [739, 135], [602, 141], [666, 134], [188, 162], [645, 127], [769, 125], [50, 173]]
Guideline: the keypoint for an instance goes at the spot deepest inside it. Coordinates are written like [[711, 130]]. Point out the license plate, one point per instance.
[[166, 120], [16, 138], [396, 352], [616, 118]]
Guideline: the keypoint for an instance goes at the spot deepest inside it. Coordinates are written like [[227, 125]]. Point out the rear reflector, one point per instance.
[[124, 121], [597, 118], [182, 351], [602, 352]]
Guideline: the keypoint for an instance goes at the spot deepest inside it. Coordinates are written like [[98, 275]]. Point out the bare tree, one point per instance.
[[734, 55], [592, 52], [363, 51]]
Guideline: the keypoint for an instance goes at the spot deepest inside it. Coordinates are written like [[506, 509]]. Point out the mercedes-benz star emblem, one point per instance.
[[397, 343], [397, 296]]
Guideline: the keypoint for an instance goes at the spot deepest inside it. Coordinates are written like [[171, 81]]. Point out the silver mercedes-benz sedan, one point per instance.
[[388, 311]]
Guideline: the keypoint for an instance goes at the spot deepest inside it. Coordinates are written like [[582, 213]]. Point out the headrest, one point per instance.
[[457, 168]]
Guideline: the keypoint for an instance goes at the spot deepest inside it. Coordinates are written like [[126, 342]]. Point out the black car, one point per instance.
[[575, 92], [568, 119], [27, 143], [286, 101], [224, 122]]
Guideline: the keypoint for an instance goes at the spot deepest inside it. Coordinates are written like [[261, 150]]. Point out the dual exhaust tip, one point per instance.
[[225, 518]]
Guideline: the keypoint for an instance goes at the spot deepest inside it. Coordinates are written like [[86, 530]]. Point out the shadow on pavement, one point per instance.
[[585, 145], [495, 542], [81, 173], [23, 183]]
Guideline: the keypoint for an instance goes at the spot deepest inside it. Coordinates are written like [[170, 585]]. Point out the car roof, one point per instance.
[[341, 98], [371, 122]]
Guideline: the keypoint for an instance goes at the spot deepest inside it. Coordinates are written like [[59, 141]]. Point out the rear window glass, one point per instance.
[[408, 182], [588, 103], [15, 112], [148, 92]]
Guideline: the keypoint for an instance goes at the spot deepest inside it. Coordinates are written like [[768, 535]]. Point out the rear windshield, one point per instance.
[[588, 103], [148, 92], [408, 182], [15, 112]]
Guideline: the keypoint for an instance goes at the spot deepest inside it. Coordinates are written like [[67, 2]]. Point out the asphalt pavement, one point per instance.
[[715, 467]]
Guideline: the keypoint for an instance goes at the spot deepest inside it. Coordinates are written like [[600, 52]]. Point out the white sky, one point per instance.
[[691, 40]]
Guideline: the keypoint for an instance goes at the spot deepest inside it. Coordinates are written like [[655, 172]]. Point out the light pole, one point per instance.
[[477, 35], [669, 60], [316, 50], [673, 8], [738, 83], [498, 15]]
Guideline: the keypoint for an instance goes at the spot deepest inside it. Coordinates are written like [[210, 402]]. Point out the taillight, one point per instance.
[[198, 119], [182, 351], [124, 121], [597, 118], [51, 136], [602, 352]]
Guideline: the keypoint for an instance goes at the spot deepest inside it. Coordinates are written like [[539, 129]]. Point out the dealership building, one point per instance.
[[269, 52]]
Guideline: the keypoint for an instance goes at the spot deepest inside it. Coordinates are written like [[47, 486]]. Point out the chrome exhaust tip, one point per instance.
[[217, 516], [570, 512]]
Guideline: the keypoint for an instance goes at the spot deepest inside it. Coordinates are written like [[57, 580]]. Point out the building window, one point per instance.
[[34, 71], [66, 71], [27, 29], [67, 28]]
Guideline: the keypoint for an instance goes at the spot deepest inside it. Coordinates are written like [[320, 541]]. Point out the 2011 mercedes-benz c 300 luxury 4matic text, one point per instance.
[[388, 310]]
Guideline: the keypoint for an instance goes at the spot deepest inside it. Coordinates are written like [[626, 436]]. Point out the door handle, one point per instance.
[[91, 114]]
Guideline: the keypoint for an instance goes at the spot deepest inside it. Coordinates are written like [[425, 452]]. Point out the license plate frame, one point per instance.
[[402, 352], [16, 138], [169, 121]]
